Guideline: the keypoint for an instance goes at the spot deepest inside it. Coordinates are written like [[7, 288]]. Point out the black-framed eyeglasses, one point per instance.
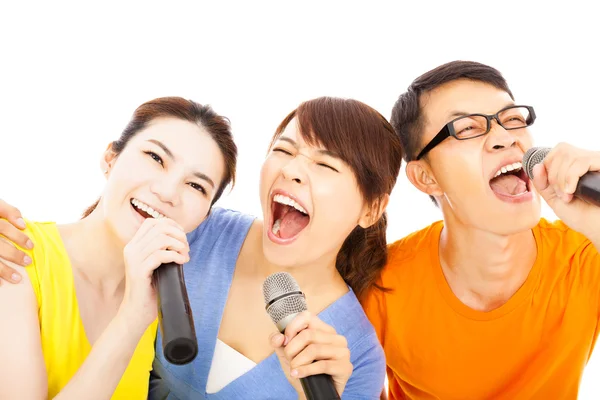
[[475, 125]]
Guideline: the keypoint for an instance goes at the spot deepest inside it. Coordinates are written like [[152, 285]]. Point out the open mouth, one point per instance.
[[288, 217], [145, 210], [510, 181]]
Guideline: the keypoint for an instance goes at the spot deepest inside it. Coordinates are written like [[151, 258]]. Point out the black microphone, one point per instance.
[[175, 319], [588, 187], [284, 300]]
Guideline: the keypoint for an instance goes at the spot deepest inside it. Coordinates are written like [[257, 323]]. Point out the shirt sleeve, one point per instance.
[[368, 377]]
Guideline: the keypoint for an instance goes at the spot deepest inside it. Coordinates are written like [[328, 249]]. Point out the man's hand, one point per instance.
[[556, 179], [11, 224]]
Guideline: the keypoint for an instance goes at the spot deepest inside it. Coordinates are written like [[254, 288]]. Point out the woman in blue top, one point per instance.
[[324, 187]]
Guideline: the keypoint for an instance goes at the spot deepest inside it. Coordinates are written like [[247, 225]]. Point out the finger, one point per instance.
[[577, 169], [165, 242], [10, 253], [540, 181], [163, 226], [159, 257], [13, 234], [315, 352], [312, 336], [303, 321], [12, 214], [9, 274], [276, 340], [329, 367]]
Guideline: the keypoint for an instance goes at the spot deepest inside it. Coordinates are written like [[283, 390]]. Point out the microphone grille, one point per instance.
[[532, 157], [283, 296]]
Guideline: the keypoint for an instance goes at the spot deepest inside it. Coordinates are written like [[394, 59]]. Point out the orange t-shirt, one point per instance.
[[533, 347]]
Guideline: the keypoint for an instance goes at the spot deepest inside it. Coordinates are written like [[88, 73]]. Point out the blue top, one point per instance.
[[214, 249]]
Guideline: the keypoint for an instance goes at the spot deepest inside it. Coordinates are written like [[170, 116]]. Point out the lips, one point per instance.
[[288, 217]]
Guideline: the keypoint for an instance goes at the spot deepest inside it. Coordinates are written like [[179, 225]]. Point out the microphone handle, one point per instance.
[[175, 319], [319, 387], [588, 188]]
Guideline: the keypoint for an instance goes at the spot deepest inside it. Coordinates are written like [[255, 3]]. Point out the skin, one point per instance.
[[113, 253], [293, 166], [457, 174], [318, 180]]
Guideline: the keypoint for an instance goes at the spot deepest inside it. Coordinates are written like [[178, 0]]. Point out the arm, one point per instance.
[[11, 224], [368, 378], [158, 241], [22, 370], [100, 374]]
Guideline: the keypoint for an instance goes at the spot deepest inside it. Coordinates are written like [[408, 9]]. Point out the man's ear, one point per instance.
[[372, 213], [108, 159], [419, 173]]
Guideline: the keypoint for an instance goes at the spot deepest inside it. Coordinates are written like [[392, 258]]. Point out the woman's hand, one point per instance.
[[158, 241], [312, 347]]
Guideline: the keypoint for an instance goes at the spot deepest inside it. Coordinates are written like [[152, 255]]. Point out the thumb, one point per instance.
[[542, 185], [276, 341]]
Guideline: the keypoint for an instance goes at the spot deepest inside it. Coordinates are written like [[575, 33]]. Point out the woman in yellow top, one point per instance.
[[84, 325]]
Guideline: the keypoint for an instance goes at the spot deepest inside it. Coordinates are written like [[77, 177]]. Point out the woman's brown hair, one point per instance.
[[217, 126], [366, 141]]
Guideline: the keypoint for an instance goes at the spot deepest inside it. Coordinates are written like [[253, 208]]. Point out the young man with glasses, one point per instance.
[[492, 302]]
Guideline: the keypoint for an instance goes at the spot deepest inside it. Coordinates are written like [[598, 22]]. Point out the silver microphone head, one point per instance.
[[532, 157], [283, 298]]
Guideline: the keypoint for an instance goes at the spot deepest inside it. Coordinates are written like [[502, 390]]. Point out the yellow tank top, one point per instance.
[[64, 342]]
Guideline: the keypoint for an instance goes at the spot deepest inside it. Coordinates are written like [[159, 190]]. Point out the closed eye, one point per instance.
[[155, 157], [280, 150], [198, 187], [327, 166]]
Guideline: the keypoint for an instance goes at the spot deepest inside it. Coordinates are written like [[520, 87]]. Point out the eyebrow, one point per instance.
[[321, 151], [169, 153], [462, 113]]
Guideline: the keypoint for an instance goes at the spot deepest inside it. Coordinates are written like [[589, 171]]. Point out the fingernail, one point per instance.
[[21, 223], [286, 341], [15, 277], [27, 260], [29, 244], [294, 373]]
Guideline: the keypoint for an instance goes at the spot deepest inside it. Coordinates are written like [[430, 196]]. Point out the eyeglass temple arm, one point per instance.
[[439, 138]]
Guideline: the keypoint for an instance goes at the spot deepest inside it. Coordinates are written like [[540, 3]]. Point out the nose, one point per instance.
[[294, 169], [499, 138], [166, 190]]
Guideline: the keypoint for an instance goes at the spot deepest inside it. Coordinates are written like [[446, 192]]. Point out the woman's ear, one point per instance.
[[419, 173], [108, 159], [373, 212]]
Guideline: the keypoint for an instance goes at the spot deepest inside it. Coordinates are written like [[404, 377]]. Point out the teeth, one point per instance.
[[281, 199], [507, 168], [276, 227], [146, 208]]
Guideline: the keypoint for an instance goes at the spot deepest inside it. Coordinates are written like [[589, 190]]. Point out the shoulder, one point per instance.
[[221, 222], [407, 257], [557, 239], [413, 244]]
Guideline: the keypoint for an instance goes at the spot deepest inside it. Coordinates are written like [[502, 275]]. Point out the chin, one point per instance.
[[282, 256]]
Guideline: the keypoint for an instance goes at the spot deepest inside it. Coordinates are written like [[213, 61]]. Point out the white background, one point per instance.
[[71, 74]]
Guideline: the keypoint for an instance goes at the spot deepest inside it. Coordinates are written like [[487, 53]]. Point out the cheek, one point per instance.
[[268, 174], [339, 206], [194, 211]]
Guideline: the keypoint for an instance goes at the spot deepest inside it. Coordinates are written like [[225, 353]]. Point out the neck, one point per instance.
[[484, 269], [320, 280], [95, 253]]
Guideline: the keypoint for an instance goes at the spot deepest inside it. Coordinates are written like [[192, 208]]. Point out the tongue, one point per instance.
[[292, 223], [508, 185]]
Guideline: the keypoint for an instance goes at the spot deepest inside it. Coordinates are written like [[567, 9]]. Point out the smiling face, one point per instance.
[[478, 181], [310, 201], [171, 168]]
